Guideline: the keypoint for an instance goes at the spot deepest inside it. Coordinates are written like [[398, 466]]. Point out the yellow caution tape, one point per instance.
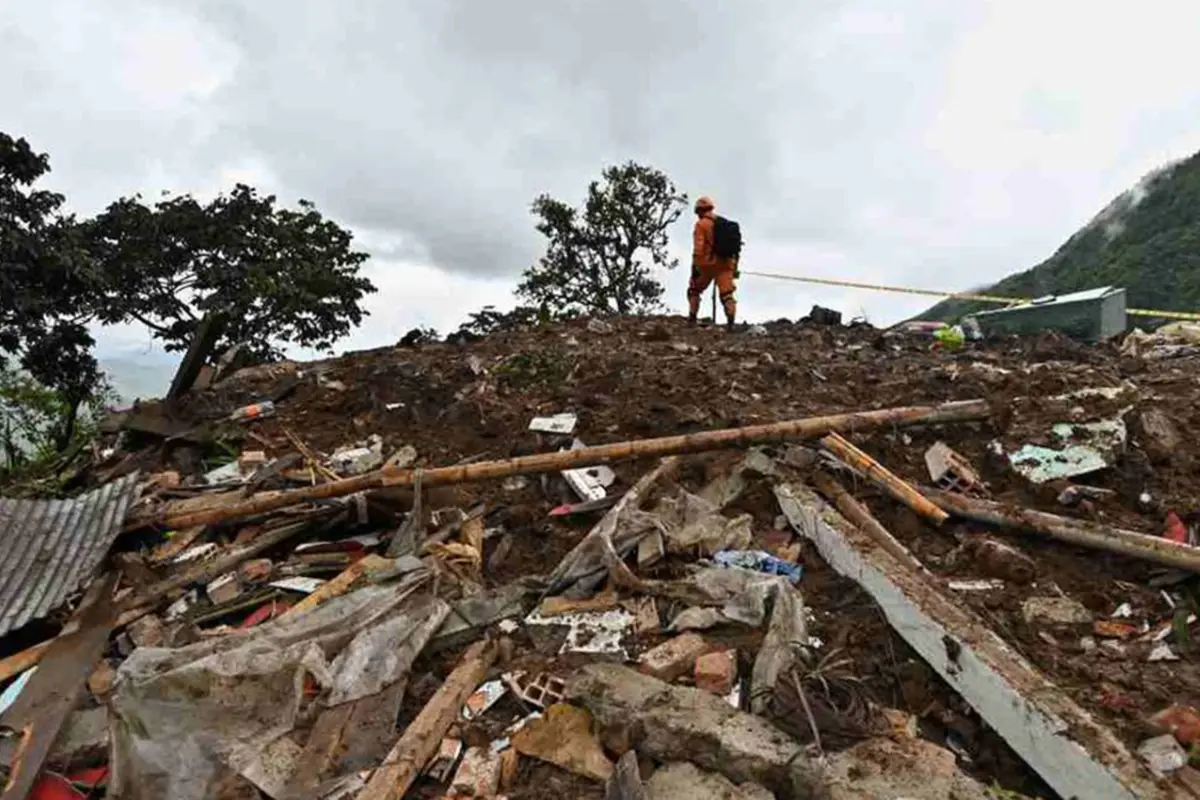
[[986, 298]]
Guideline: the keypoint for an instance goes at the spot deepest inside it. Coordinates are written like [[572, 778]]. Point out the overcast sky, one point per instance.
[[943, 145]]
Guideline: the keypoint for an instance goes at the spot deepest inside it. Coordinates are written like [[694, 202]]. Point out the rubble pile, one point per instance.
[[625, 559]]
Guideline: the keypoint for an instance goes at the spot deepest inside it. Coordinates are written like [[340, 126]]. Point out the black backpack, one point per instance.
[[727, 238]]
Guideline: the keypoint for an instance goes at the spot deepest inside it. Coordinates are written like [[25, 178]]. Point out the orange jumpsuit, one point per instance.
[[706, 268]]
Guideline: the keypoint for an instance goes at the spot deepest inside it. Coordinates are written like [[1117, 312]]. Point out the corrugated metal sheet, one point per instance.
[[49, 548]]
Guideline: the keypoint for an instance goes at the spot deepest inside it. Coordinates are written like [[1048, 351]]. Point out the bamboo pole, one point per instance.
[[963, 411], [857, 513], [884, 478], [1073, 531], [420, 740]]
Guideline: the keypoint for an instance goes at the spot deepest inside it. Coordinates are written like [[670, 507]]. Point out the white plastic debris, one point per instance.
[[1124, 611], [360, 458], [982, 585], [181, 606], [590, 483], [562, 424], [1162, 652]]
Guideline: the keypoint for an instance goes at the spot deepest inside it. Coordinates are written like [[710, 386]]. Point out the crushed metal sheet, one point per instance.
[[52, 547]]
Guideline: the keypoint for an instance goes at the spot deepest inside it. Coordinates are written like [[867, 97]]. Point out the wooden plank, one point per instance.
[[320, 753], [1073, 753], [421, 739], [41, 709]]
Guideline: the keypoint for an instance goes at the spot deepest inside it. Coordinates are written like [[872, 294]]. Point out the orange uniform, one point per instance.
[[707, 268]]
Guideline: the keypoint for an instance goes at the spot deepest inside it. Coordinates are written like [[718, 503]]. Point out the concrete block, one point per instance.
[[914, 769], [680, 723]]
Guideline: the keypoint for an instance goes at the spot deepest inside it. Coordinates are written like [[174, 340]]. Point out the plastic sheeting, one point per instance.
[[182, 718]]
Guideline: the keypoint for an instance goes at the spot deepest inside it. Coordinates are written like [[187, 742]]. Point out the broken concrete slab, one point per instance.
[[680, 723], [683, 781], [914, 769], [1064, 744]]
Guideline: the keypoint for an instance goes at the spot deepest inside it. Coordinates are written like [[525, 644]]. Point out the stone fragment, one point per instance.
[[674, 657], [680, 723], [1055, 611], [564, 737]]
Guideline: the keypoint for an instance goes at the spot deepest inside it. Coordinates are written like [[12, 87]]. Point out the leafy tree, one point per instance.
[[278, 275], [599, 258], [46, 283], [37, 423], [488, 320]]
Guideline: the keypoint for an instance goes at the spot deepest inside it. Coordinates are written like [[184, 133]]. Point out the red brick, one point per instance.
[[717, 672], [256, 570], [675, 658]]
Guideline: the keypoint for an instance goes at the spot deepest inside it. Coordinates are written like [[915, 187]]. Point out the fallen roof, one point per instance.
[[52, 547]]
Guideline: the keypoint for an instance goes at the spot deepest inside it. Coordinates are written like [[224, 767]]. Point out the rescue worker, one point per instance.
[[707, 267]]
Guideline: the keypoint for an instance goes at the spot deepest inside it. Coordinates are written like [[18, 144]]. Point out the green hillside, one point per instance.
[[1147, 241]]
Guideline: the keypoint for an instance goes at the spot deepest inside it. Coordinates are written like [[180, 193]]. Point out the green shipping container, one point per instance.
[[1093, 315]]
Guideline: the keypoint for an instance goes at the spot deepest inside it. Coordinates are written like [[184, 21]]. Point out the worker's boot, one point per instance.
[[691, 320]]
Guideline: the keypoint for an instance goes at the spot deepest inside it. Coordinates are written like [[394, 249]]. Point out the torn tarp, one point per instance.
[[183, 717]]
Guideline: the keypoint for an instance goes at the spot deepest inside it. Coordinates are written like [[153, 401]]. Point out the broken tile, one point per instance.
[[483, 698]]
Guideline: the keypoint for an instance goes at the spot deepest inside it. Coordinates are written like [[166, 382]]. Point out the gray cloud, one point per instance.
[[941, 146]]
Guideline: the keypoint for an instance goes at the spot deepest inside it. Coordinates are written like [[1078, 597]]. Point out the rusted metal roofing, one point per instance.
[[50, 548]]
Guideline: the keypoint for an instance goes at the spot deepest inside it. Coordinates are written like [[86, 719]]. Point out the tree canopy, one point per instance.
[[279, 276], [600, 258], [46, 278]]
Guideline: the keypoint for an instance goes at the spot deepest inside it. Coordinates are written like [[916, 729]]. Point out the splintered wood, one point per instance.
[[884, 478]]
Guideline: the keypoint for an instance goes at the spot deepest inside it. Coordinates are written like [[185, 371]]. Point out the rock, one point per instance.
[[914, 769], [1158, 436], [1163, 754], [679, 723], [716, 672], [599, 326], [147, 631], [683, 781], [563, 737], [674, 658], [1055, 611], [83, 740], [626, 781]]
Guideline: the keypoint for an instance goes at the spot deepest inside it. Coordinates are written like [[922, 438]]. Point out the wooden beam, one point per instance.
[[39, 712], [421, 739], [884, 478], [964, 411]]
